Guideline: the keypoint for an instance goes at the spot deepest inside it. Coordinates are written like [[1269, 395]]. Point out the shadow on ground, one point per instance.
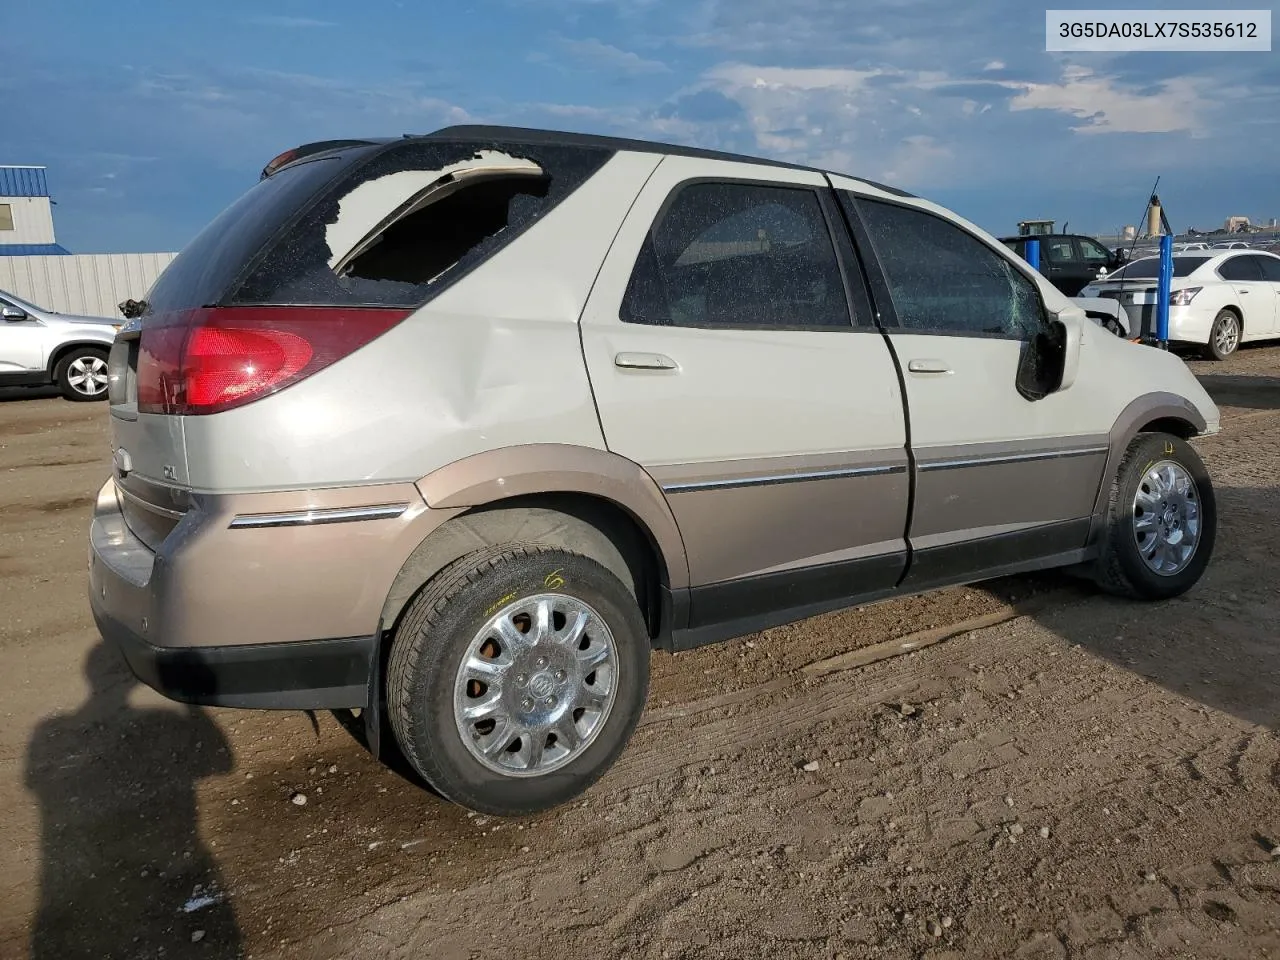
[[1235, 390], [28, 393], [123, 871], [1219, 644]]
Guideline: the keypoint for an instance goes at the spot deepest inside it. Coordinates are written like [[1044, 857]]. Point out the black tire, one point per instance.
[[1212, 350], [63, 373], [1120, 569], [433, 637]]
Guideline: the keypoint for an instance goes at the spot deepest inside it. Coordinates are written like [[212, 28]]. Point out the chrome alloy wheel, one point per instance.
[[536, 685], [1226, 337], [87, 376], [1166, 517]]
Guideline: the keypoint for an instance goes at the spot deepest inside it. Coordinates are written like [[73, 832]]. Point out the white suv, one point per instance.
[[454, 429], [39, 347]]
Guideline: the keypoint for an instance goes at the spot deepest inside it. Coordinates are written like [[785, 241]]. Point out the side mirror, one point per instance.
[[1051, 358], [1071, 330], [13, 314]]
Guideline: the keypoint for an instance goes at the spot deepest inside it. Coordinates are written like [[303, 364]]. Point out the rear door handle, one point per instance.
[[644, 361], [928, 366]]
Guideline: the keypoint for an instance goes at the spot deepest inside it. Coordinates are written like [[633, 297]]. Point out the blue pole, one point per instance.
[[1033, 254], [1162, 290]]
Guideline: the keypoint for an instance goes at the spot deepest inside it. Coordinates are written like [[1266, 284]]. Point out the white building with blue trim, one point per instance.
[[26, 214]]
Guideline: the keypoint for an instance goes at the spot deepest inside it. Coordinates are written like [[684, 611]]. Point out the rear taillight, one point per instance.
[[210, 360]]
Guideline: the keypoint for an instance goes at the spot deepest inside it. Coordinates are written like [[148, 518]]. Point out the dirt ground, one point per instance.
[[1066, 776]]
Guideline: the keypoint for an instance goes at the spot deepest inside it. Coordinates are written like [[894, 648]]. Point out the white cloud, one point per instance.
[[995, 65], [1107, 106], [599, 55]]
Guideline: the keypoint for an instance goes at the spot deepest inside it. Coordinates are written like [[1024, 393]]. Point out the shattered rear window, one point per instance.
[[412, 220]]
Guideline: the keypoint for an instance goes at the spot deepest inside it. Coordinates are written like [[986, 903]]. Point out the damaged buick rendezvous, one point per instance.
[[453, 430]]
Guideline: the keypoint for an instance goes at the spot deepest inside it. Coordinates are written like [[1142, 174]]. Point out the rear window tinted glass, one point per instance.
[[739, 255], [201, 273], [1058, 249], [1149, 269], [1270, 268], [423, 252], [1240, 268]]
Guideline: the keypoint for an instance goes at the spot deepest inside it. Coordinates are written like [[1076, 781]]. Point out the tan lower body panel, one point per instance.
[[299, 565], [744, 518]]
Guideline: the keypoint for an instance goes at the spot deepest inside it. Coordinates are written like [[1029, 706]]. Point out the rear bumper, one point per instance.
[[126, 582], [228, 616], [305, 675]]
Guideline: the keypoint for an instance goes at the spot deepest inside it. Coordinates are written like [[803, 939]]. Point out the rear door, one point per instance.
[[1255, 294], [1060, 262], [999, 478], [1271, 273], [734, 358]]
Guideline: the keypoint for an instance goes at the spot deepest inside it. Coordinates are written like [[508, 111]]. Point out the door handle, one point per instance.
[[928, 366], [644, 361], [1241, 292]]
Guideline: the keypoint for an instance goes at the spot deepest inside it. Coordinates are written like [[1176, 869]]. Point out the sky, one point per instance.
[[152, 116]]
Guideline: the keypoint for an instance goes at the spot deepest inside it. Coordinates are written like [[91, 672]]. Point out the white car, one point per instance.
[[39, 347], [1218, 299]]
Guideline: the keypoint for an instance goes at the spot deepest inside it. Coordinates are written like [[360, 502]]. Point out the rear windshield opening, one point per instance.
[[408, 222], [427, 242]]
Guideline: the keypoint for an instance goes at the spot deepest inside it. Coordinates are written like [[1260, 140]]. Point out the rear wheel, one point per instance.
[[81, 375], [1224, 335], [1162, 520], [517, 677]]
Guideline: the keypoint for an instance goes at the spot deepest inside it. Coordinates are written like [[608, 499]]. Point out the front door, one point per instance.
[[1255, 292], [734, 357], [1095, 258], [1000, 478], [22, 344]]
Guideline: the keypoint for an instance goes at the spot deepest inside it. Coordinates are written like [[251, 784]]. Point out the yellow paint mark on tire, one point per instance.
[[554, 580]]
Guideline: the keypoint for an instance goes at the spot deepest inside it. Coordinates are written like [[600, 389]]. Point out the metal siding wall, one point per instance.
[[91, 284], [32, 220]]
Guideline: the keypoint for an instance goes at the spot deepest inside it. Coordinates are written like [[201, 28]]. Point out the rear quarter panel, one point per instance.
[[494, 361]]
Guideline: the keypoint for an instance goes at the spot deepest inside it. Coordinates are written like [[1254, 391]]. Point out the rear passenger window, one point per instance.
[[1240, 268], [738, 255], [945, 280], [1270, 268], [1059, 251]]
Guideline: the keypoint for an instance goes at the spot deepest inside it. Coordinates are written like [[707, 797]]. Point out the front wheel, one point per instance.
[[82, 374], [1162, 520], [1224, 335], [517, 677]]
